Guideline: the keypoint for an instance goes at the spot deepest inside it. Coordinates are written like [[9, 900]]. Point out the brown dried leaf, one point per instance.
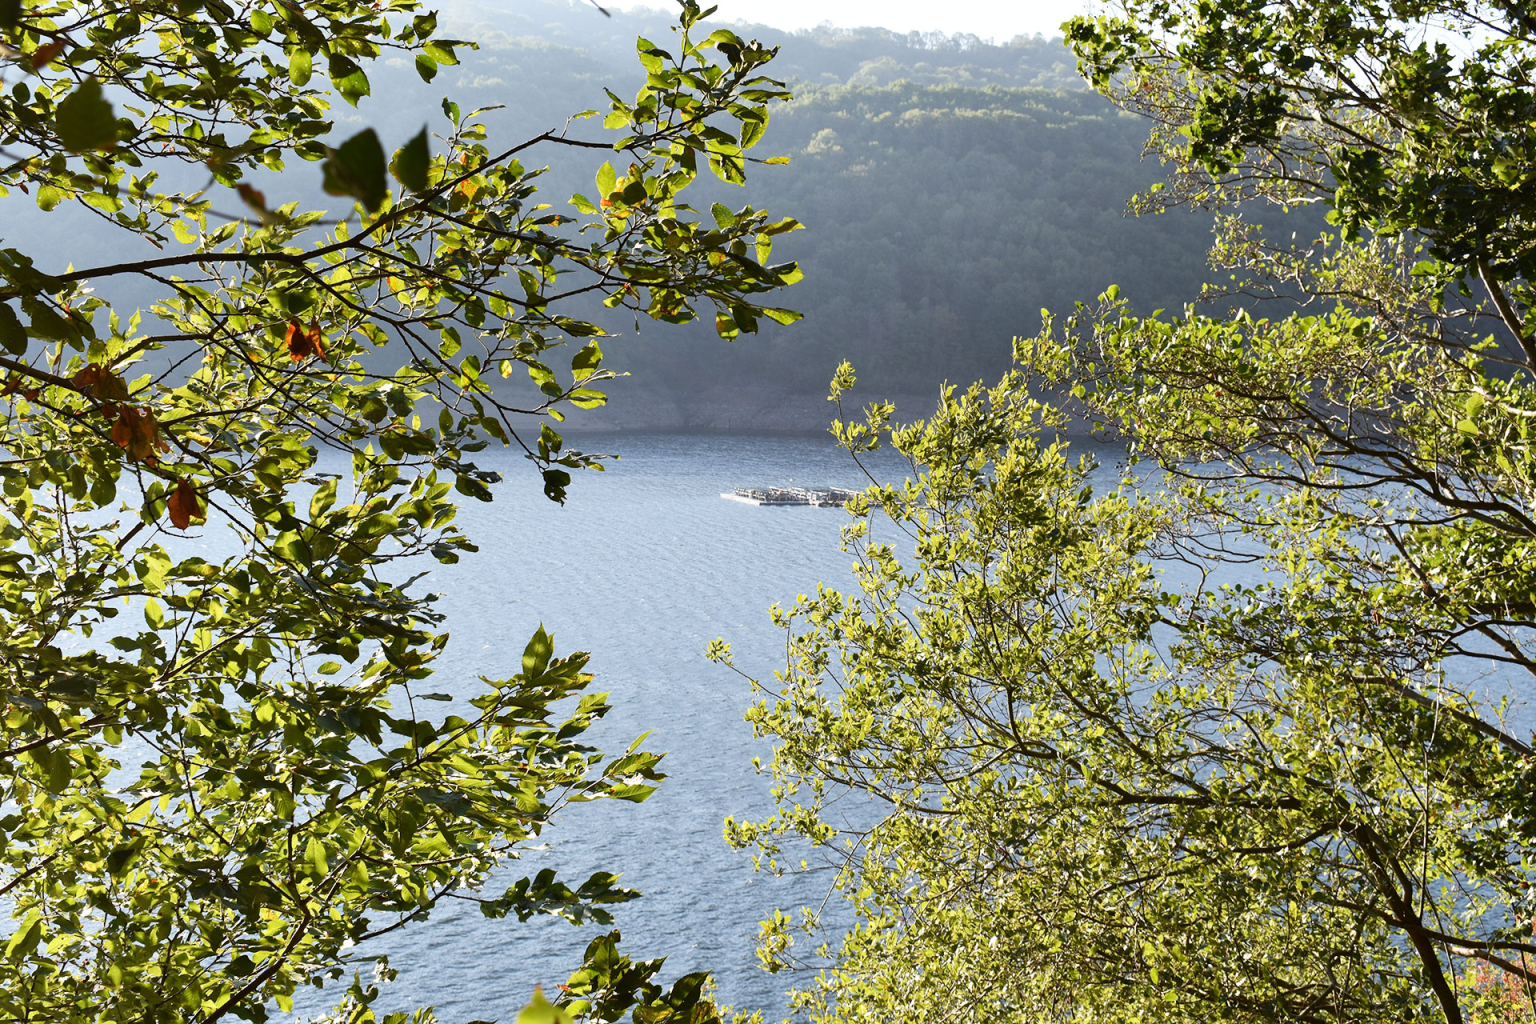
[[183, 505]]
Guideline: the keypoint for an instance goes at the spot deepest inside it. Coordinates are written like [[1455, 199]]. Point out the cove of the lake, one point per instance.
[[643, 566]]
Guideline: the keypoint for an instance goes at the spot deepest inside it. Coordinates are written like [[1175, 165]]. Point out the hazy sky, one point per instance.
[[999, 19]]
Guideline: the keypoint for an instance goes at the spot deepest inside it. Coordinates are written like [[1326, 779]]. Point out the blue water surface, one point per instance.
[[643, 566]]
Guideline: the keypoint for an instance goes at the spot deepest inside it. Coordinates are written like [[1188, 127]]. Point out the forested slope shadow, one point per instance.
[[942, 218]]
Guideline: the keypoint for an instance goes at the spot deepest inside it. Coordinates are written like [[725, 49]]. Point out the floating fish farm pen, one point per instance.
[[817, 497]]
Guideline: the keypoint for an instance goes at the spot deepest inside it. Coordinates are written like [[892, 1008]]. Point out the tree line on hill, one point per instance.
[[950, 189]]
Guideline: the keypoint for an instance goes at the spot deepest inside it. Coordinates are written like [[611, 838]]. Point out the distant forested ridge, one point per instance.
[[950, 188], [519, 29], [940, 219]]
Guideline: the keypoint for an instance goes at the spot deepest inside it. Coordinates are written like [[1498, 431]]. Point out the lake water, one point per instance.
[[643, 566]]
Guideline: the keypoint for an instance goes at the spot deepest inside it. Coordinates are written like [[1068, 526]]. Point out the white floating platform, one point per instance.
[[808, 497]]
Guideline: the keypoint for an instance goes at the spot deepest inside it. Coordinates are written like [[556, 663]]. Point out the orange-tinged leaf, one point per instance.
[[467, 187], [98, 381], [254, 199], [44, 55], [138, 433], [122, 430], [183, 505], [302, 343]]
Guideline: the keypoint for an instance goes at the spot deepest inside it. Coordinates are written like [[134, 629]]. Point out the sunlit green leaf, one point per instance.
[[85, 120]]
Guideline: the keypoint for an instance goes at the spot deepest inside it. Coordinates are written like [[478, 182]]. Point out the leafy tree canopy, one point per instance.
[[1243, 739], [221, 776]]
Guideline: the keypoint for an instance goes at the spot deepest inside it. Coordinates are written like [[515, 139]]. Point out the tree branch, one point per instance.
[[1507, 312]]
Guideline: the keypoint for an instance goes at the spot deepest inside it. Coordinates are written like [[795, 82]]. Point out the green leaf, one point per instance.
[[314, 855], [107, 204], [46, 323], [350, 82], [411, 163], [541, 1011], [426, 67], [122, 858], [441, 52], [49, 197], [56, 765], [292, 547], [586, 362], [26, 938], [607, 178], [538, 652], [470, 487], [13, 336], [324, 497], [555, 483], [787, 224], [356, 168], [84, 119], [549, 441], [301, 65]]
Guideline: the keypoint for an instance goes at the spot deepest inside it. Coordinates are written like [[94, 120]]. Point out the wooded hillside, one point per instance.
[[950, 188], [940, 219]]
